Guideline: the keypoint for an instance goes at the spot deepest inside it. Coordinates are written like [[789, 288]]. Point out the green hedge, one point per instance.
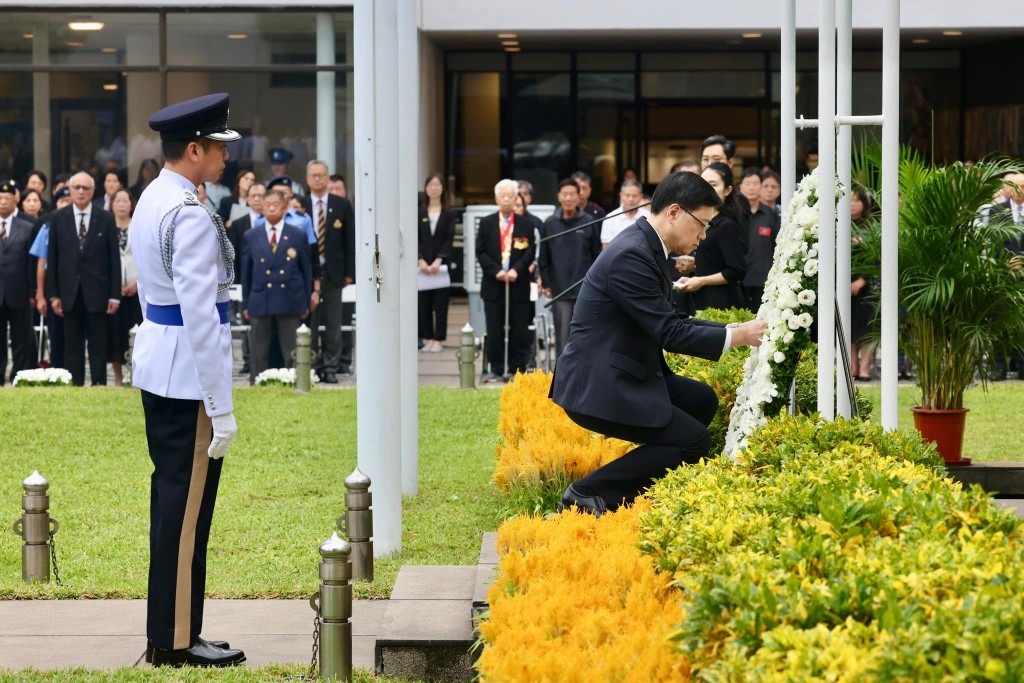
[[838, 552]]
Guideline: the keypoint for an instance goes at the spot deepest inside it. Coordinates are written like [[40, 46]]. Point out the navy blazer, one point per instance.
[[613, 366], [17, 266], [276, 282]]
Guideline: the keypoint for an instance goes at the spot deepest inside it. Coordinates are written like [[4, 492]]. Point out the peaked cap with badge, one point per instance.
[[200, 117]]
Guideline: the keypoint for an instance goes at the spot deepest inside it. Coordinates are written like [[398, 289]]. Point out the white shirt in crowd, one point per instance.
[[276, 228], [611, 227]]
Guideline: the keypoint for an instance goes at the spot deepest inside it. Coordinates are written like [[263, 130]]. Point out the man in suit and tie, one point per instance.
[[83, 278], [17, 284], [277, 282], [335, 226], [505, 248], [612, 377]]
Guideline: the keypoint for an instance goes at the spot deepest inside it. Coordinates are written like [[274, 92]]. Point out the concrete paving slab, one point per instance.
[[426, 622], [1014, 504], [489, 548], [429, 582]]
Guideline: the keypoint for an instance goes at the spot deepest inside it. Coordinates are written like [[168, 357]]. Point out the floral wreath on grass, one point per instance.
[[282, 376], [42, 377], [788, 308]]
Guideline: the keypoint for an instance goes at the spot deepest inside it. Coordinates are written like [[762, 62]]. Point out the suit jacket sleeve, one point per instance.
[[52, 260], [349, 221], [246, 271], [636, 286], [446, 222], [522, 264], [305, 263], [488, 265], [195, 262]]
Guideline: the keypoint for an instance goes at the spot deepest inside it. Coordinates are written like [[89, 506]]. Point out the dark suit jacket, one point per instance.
[[438, 245], [95, 270], [488, 253], [340, 243], [17, 266], [613, 366], [236, 235], [276, 282]]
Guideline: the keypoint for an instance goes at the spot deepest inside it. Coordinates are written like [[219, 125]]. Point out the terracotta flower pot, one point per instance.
[[945, 428]]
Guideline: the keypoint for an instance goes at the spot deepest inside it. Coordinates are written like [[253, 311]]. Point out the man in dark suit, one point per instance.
[[505, 248], [83, 278], [276, 282], [17, 284], [612, 377], [335, 226]]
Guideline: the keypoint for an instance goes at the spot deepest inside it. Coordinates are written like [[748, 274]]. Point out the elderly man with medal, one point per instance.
[[505, 248], [182, 363]]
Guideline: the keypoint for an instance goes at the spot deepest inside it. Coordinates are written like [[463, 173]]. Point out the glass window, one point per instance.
[[703, 84], [249, 38], [16, 125], [90, 38], [475, 154], [541, 61], [607, 131], [542, 128], [606, 61]]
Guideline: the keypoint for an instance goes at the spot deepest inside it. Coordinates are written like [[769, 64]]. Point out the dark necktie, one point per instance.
[[3, 230], [321, 232], [273, 239], [81, 232]]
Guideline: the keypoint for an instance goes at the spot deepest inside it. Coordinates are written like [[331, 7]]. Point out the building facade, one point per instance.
[[534, 90]]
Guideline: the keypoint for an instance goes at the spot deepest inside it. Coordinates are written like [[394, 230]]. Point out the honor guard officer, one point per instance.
[[182, 364], [279, 160]]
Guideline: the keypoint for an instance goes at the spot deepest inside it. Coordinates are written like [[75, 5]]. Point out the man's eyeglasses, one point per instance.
[[81, 188], [703, 226]]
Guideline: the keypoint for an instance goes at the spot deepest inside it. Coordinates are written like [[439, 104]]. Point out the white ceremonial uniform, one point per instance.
[[193, 360]]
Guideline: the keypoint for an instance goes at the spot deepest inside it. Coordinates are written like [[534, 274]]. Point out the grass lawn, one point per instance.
[[993, 432], [146, 674], [280, 493]]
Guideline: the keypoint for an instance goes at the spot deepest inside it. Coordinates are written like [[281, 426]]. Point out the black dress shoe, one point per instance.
[[221, 644], [201, 654], [593, 505], [345, 370], [329, 378]]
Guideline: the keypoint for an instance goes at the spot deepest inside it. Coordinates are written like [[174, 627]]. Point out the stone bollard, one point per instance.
[[357, 523], [467, 355], [36, 528], [303, 359], [334, 610]]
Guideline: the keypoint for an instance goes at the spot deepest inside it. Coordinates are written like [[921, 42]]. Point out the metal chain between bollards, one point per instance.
[[53, 559], [311, 674]]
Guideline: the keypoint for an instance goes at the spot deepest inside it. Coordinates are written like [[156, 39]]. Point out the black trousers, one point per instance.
[[327, 344], [183, 490], [519, 316], [684, 439], [79, 323], [561, 311], [22, 341], [433, 310], [345, 360], [261, 328]]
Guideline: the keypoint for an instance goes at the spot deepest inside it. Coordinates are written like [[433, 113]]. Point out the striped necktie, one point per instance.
[[321, 225], [3, 230], [273, 239], [81, 232]]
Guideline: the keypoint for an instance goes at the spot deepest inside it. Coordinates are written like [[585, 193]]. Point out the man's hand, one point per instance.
[[41, 307], [245, 314], [547, 292], [130, 289], [857, 285], [112, 307], [692, 284], [500, 276], [224, 430], [512, 275], [749, 333], [305, 314], [314, 301], [685, 264], [58, 310], [348, 281]]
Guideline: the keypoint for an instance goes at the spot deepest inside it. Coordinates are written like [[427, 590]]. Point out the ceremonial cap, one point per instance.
[[205, 116], [62, 192], [279, 180], [280, 156], [8, 186]]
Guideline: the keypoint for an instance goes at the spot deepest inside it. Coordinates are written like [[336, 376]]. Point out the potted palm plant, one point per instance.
[[961, 287]]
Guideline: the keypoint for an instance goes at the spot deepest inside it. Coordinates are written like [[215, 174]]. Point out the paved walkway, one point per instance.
[[107, 634]]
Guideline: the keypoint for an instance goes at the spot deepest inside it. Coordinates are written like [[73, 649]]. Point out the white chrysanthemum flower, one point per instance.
[[811, 267], [779, 357], [806, 297], [804, 320]]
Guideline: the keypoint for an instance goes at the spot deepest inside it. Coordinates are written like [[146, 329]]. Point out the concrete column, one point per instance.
[[325, 92], [378, 242], [408, 185], [890, 210], [41, 133], [844, 107], [826, 207]]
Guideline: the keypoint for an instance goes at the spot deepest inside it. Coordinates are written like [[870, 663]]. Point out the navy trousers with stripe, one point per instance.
[[183, 492]]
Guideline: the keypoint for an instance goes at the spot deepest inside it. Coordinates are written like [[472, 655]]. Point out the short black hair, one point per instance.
[[37, 172], [174, 150], [726, 143], [750, 171], [580, 176], [568, 182], [337, 177], [686, 189], [765, 175]]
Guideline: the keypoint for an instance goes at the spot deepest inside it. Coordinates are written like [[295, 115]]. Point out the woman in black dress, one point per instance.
[[720, 260], [436, 237], [862, 354]]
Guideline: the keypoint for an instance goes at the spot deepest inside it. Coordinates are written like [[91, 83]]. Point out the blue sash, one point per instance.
[[171, 315]]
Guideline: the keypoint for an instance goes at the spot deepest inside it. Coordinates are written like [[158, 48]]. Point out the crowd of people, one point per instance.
[[65, 259]]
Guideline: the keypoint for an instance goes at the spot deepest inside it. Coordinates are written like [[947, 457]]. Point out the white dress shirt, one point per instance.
[[277, 227], [611, 227]]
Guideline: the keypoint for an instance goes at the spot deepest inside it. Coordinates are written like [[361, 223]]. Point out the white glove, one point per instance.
[[224, 430]]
